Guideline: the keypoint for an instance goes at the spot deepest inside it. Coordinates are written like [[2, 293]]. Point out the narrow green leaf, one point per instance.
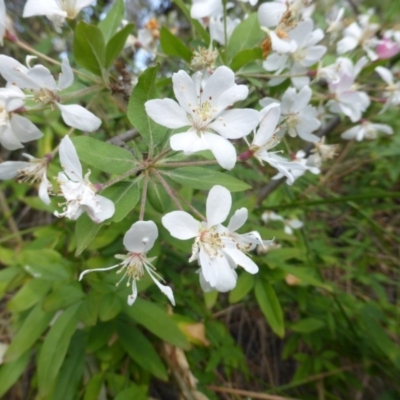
[[244, 284], [110, 24], [157, 197], [93, 387], [307, 325], [6, 277], [270, 306], [110, 307], [173, 46], [55, 347], [133, 392], [205, 179], [125, 196], [145, 90], [63, 296], [30, 294], [71, 371], [116, 44], [90, 308], [85, 232], [306, 276], [104, 156], [32, 328], [246, 56], [141, 350], [157, 321], [246, 35], [11, 371], [89, 48]]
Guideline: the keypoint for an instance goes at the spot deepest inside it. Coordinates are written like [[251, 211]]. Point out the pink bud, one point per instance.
[[387, 49]]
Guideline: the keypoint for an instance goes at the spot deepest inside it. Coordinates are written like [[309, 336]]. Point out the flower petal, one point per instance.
[[185, 91], [269, 121], [44, 189], [167, 112], [238, 219], [181, 225], [66, 78], [78, 117], [132, 297], [10, 169], [164, 289], [106, 209], [69, 160], [24, 129], [223, 150], [141, 236], [241, 259], [219, 202], [189, 142]]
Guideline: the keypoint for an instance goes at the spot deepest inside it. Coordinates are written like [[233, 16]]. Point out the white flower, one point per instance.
[[289, 224], [39, 81], [79, 193], [346, 98], [366, 130], [360, 34], [265, 139], [310, 163], [14, 129], [392, 90], [298, 117], [325, 151], [302, 54], [335, 23], [205, 8], [218, 249], [203, 108], [29, 171], [138, 240], [217, 27], [55, 10]]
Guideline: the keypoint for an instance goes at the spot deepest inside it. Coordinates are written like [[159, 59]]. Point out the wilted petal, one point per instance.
[[132, 297], [69, 160], [181, 225], [78, 117], [219, 202], [164, 289], [141, 236], [44, 189]]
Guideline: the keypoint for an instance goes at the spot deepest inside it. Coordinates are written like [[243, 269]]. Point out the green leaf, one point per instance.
[[133, 392], [157, 197], [63, 296], [93, 387], [246, 56], [90, 308], [173, 46], [31, 329], [85, 231], [244, 284], [157, 321], [141, 350], [307, 325], [104, 156], [116, 44], [110, 24], [205, 179], [270, 306], [246, 35], [210, 298], [145, 90], [71, 371], [55, 347], [6, 276], [89, 48], [30, 294], [110, 307], [125, 196], [307, 276], [11, 371]]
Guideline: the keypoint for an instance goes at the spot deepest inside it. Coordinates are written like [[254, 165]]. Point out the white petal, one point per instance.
[[44, 189], [66, 78], [69, 160], [9, 169], [189, 142], [208, 267], [8, 138], [275, 62], [270, 14], [234, 124], [42, 77], [223, 150], [107, 209], [141, 236], [14, 72], [39, 7], [227, 276], [385, 74], [241, 259], [132, 297], [24, 129], [78, 117], [79, 4], [205, 286], [185, 91], [231, 96], [219, 202], [221, 80], [346, 44], [238, 219], [269, 121], [164, 289], [205, 8], [181, 225], [167, 112]]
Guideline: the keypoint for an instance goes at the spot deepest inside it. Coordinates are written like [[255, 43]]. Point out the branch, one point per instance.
[[121, 139]]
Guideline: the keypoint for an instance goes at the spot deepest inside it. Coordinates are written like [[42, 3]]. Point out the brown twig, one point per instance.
[[247, 393]]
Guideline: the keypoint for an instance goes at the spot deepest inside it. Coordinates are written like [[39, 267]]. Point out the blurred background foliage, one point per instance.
[[320, 320]]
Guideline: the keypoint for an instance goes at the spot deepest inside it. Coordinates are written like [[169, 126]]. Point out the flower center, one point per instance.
[[202, 115], [69, 6], [211, 241], [45, 96]]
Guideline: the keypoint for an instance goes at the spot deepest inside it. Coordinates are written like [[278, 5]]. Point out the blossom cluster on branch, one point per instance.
[[236, 99]]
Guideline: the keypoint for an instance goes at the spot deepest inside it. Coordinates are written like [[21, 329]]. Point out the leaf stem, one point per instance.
[[167, 188], [144, 195]]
